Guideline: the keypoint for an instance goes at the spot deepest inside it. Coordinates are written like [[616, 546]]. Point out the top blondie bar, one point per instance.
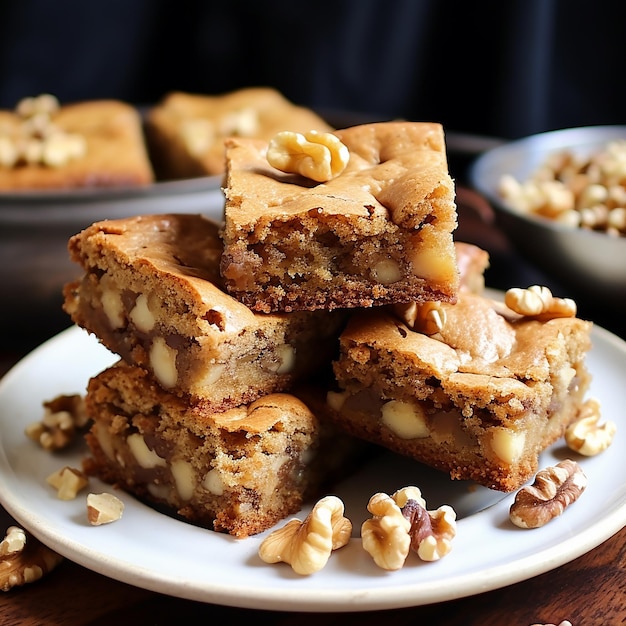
[[379, 232]]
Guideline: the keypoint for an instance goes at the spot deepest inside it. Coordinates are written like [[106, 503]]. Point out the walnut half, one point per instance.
[[400, 523], [554, 489], [431, 532], [385, 537], [316, 155], [538, 302], [586, 435], [307, 546], [428, 318], [24, 559]]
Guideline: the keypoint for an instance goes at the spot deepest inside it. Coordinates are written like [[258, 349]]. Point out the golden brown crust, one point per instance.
[[396, 170], [270, 110], [116, 154]]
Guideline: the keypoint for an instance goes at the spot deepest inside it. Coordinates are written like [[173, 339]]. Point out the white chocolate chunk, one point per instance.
[[141, 315], [112, 304], [405, 420], [213, 482], [508, 446], [163, 362], [184, 477], [145, 457]]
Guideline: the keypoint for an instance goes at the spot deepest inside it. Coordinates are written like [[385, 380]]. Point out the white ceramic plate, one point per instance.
[[156, 552]]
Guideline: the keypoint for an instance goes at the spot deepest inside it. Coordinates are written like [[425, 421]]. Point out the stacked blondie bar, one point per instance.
[[196, 415], [332, 299]]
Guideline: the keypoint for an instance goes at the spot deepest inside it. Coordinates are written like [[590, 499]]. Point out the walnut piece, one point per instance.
[[37, 140], [317, 155], [586, 436], [103, 508], [538, 302], [554, 489], [45, 104], [63, 420], [578, 192], [400, 523], [385, 537], [24, 559], [68, 482], [428, 318], [307, 545], [431, 532]]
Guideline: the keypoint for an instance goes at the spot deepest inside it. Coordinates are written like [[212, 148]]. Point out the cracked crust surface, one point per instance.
[[379, 233]]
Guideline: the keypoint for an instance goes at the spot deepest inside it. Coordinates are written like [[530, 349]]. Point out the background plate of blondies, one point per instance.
[[35, 229], [152, 550]]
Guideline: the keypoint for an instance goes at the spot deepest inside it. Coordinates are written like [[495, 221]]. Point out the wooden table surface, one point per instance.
[[589, 591]]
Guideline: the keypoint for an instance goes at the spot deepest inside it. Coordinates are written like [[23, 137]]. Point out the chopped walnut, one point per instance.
[[586, 436], [554, 489], [537, 301], [24, 559], [45, 104], [68, 482], [37, 140], [64, 418], [317, 155], [428, 318], [103, 508], [307, 546], [577, 192]]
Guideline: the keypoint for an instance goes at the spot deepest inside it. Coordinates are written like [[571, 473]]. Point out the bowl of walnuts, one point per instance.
[[560, 197]]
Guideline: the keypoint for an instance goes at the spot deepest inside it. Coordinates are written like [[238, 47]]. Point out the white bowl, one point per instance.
[[588, 264]]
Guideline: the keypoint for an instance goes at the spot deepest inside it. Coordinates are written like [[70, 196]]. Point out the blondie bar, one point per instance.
[[186, 131], [479, 396], [377, 233], [89, 144], [151, 292], [239, 471]]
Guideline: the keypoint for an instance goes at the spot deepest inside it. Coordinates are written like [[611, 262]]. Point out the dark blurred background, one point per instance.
[[496, 68]]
